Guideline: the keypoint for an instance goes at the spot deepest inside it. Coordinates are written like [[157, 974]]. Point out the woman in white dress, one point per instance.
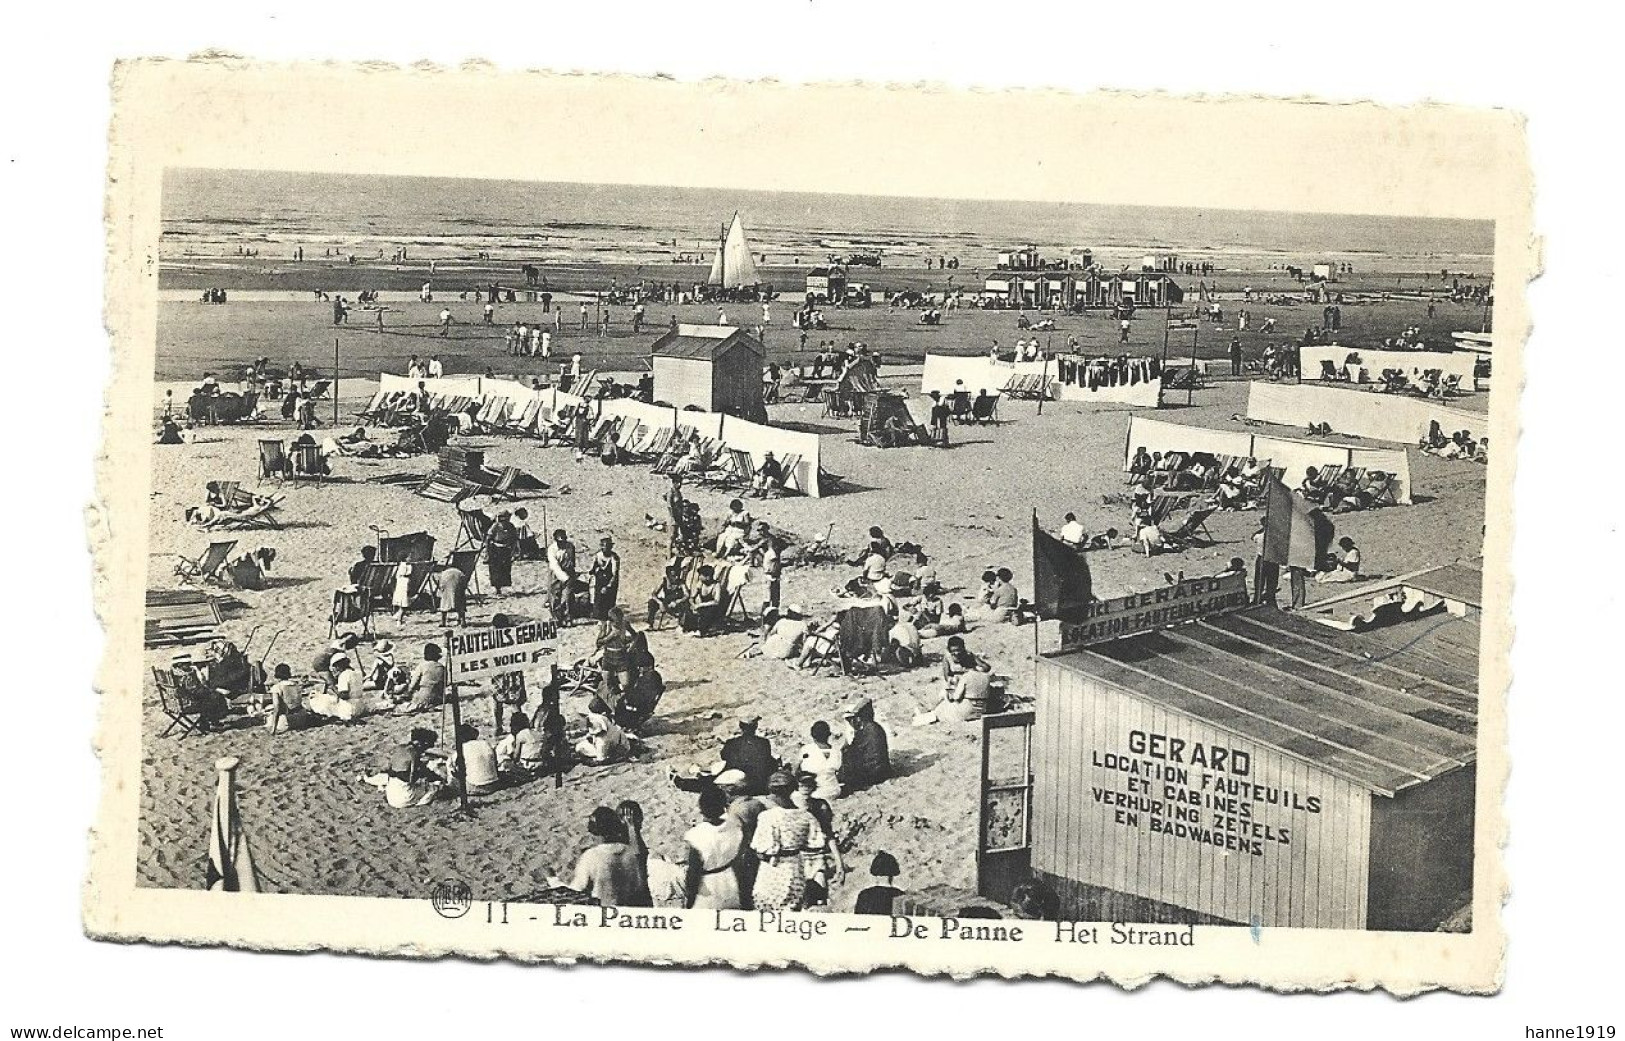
[[714, 846]]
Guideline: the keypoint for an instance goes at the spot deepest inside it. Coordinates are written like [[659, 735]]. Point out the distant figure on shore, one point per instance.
[[445, 321]]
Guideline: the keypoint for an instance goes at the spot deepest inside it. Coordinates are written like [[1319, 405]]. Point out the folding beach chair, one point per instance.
[[658, 443], [205, 567], [352, 606], [377, 585], [526, 422], [273, 459], [183, 712], [985, 409], [1379, 488], [254, 515], [318, 390], [307, 462], [789, 476], [1193, 531], [503, 486], [444, 487], [1448, 387], [959, 406], [1330, 371], [734, 579]]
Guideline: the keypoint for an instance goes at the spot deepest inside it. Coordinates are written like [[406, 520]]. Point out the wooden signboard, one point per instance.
[[1157, 609]]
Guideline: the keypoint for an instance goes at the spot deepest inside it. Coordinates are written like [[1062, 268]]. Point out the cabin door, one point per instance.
[[1004, 853]]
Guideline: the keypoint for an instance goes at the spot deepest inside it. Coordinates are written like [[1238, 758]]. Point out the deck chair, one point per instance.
[[184, 712], [790, 471], [734, 580], [377, 584], [1379, 487], [307, 462], [395, 549], [1448, 387], [318, 390], [743, 467], [444, 487], [273, 459], [352, 606], [959, 406], [985, 409], [1330, 371], [255, 515], [828, 481], [205, 567], [1193, 530], [659, 442], [502, 487], [476, 527]]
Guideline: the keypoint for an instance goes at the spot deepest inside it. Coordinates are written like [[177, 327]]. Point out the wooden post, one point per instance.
[[1190, 385], [460, 772], [335, 381], [550, 705]]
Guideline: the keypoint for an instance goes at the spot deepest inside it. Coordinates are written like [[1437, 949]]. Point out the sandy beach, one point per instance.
[[316, 829]]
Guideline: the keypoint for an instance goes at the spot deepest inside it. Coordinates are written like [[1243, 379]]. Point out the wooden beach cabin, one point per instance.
[[1250, 768], [715, 368]]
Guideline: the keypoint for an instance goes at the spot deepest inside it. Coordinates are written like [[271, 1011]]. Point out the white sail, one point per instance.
[[733, 267]]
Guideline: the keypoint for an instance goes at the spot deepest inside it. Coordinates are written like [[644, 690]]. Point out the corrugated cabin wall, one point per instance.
[[1318, 880]]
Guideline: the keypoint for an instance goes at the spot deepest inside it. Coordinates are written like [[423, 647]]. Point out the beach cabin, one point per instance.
[[1000, 291], [1249, 766], [1323, 273], [715, 368], [826, 285], [1166, 263], [1023, 259], [1153, 290]]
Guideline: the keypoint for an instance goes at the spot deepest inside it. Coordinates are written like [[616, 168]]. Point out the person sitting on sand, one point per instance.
[[928, 611], [528, 547], [866, 760], [903, 640], [1150, 535], [169, 432], [286, 708], [1001, 598], [426, 688], [604, 741], [479, 761], [346, 700], [952, 623], [408, 780], [1348, 567], [783, 640], [1072, 532], [967, 687]]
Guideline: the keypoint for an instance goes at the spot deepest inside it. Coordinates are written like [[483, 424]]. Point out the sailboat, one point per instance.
[[733, 267]]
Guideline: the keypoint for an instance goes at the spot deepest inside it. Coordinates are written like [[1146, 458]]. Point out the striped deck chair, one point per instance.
[[205, 567], [351, 606], [378, 584], [634, 437], [737, 468], [1193, 530], [273, 459], [444, 487], [307, 462], [658, 443], [1378, 489], [667, 461], [527, 419], [502, 487], [790, 467]]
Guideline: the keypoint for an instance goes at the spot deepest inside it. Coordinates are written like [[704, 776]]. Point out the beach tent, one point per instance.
[[733, 267], [876, 408]]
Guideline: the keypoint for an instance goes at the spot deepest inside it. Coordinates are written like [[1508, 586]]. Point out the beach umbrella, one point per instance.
[[231, 864]]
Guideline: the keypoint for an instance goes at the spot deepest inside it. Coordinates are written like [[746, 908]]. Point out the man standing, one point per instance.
[[500, 543], [561, 567], [1122, 331], [490, 313], [1235, 356], [773, 568], [606, 578], [445, 321], [583, 316]]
